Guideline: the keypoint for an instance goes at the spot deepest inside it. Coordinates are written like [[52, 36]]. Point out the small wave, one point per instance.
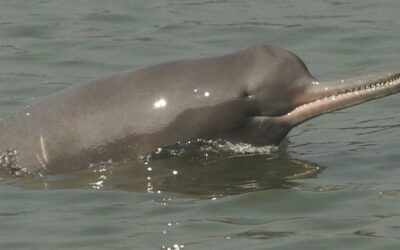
[[246, 148], [201, 148], [8, 162]]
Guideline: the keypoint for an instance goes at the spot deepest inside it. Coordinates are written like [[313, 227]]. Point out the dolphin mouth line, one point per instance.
[[332, 98]]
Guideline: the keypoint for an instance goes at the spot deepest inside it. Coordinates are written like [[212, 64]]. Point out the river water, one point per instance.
[[334, 184]]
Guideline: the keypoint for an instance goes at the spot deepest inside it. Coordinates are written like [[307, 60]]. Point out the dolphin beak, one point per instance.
[[329, 96]]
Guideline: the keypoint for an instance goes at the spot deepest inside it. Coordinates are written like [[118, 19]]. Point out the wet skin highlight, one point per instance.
[[256, 95]]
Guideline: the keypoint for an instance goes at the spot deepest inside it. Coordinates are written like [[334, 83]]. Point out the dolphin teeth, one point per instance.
[[366, 89]]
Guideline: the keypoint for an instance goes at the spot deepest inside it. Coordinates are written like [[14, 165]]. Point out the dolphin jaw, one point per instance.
[[336, 95]]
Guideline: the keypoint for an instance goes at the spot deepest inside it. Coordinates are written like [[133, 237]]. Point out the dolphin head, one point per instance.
[[287, 95]]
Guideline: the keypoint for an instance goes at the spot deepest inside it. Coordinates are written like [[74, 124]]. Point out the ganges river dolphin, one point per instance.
[[256, 95]]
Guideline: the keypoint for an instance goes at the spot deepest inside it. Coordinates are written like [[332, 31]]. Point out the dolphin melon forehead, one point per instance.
[[277, 79]]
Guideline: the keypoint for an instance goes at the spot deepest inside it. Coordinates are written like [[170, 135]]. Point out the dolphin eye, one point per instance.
[[245, 94]]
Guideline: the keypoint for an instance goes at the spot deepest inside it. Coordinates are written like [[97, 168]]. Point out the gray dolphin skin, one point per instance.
[[256, 95]]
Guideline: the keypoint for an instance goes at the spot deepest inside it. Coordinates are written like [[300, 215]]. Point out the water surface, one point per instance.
[[350, 199]]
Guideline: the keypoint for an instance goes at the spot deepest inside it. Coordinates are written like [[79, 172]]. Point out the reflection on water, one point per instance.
[[197, 174], [48, 45]]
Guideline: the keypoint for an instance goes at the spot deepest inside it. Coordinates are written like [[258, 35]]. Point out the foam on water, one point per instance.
[[201, 148], [47, 45]]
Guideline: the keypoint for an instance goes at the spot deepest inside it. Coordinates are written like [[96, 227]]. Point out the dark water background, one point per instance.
[[335, 185]]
